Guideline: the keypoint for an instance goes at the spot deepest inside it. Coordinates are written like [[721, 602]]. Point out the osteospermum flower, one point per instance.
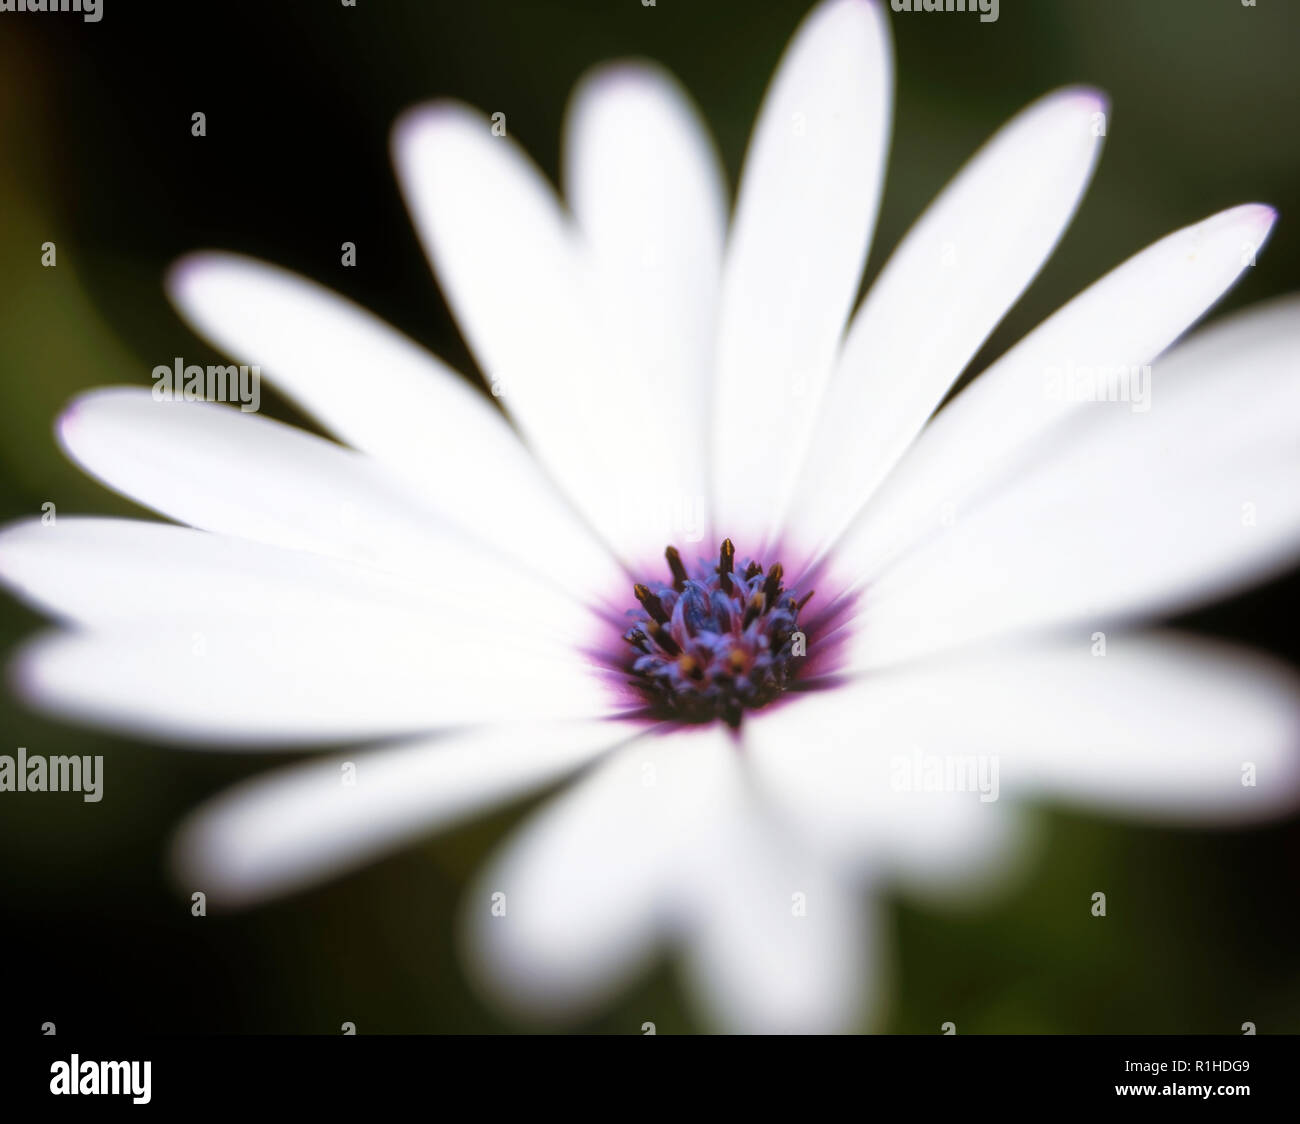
[[720, 569]]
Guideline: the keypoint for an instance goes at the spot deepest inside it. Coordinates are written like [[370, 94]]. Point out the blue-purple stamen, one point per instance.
[[713, 644]]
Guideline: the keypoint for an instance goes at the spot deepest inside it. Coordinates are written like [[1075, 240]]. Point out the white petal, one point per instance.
[[1160, 724], [647, 194], [591, 884], [1131, 513], [950, 281], [517, 277], [665, 839], [297, 826], [804, 215], [989, 430], [385, 395], [776, 944], [835, 764], [240, 474], [250, 477], [289, 680], [102, 571]]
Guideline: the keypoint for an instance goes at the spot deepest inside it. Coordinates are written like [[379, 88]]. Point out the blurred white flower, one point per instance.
[[455, 594]]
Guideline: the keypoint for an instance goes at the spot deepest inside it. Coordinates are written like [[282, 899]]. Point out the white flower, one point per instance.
[[456, 596]]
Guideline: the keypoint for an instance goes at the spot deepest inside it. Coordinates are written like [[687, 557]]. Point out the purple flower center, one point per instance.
[[715, 641]]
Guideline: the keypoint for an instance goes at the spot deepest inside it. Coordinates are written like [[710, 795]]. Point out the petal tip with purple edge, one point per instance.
[[66, 424], [1090, 99], [1262, 213], [189, 271]]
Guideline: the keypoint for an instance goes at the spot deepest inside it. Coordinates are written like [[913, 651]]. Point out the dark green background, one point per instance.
[[96, 155]]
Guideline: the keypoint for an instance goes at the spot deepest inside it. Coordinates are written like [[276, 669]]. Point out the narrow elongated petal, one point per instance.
[[1136, 511], [217, 680], [241, 474], [249, 477], [523, 283], [806, 208], [506, 258], [98, 571], [837, 767], [663, 841], [945, 288], [383, 394], [1011, 411], [648, 200], [1160, 724], [279, 833], [776, 943], [578, 900]]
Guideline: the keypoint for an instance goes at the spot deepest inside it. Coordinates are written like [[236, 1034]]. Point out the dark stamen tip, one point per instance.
[[664, 639], [772, 584], [650, 603], [678, 570], [726, 559]]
